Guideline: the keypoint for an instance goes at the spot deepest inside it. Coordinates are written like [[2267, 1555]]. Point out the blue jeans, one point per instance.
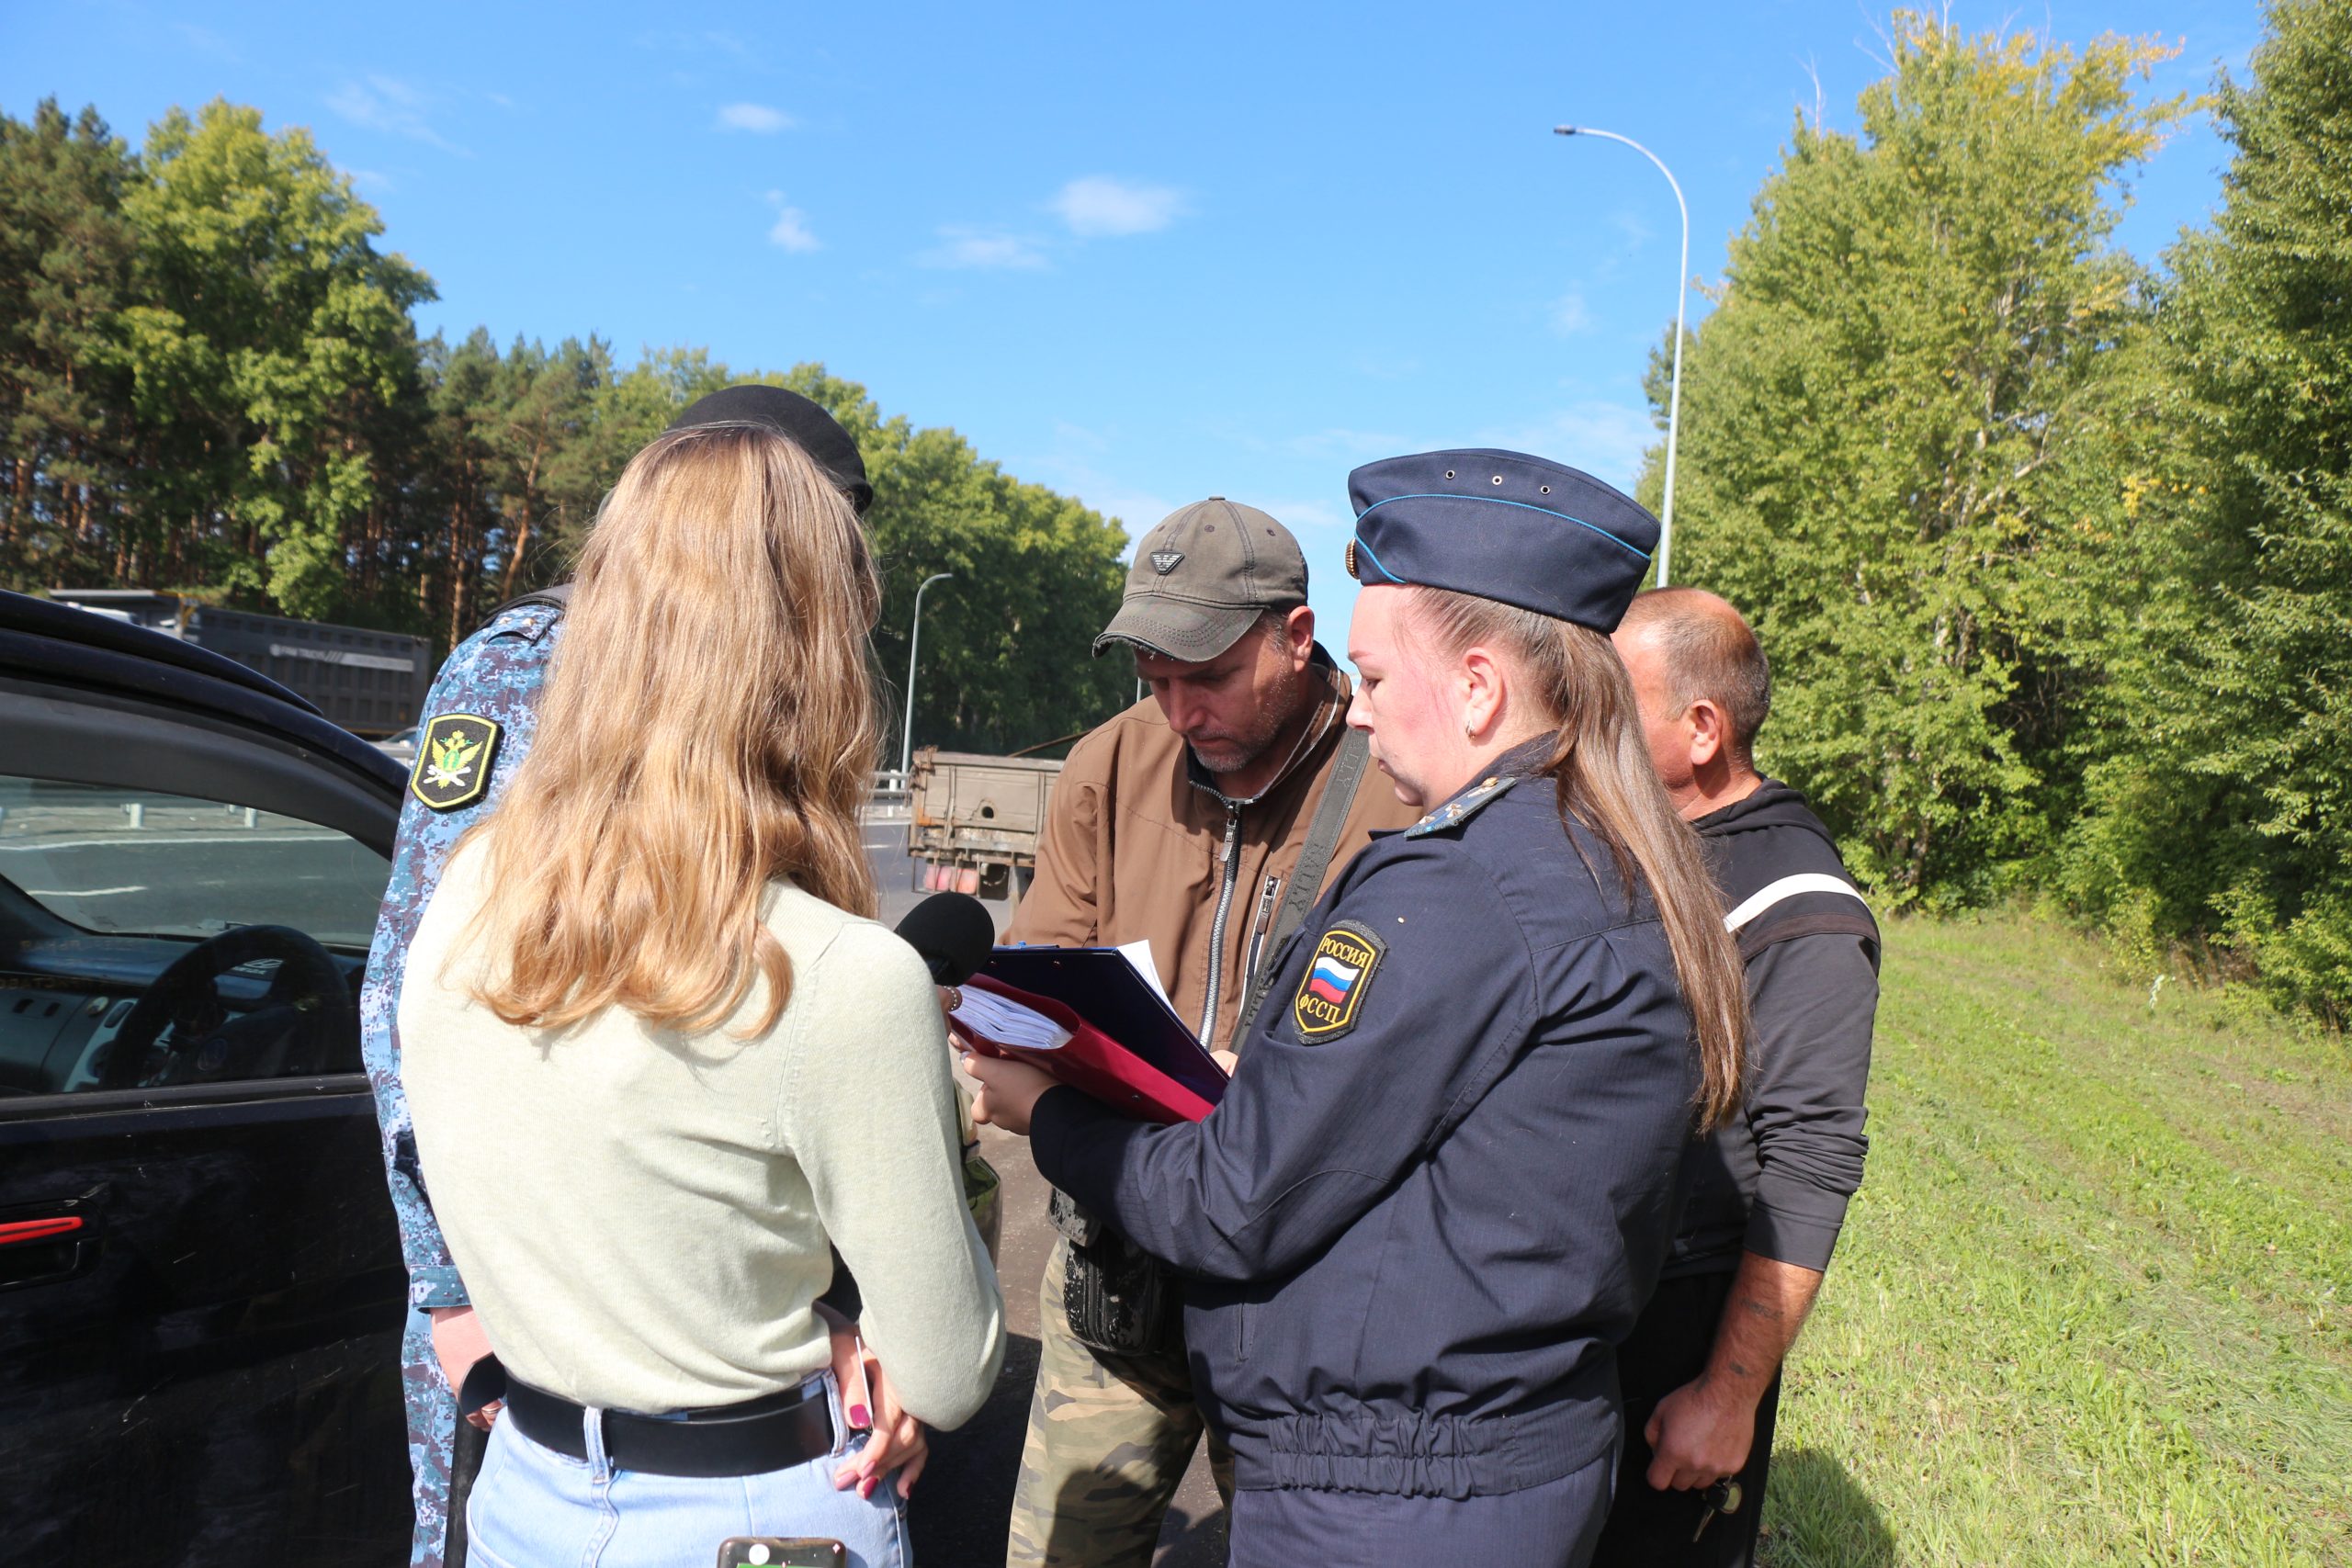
[[533, 1507]]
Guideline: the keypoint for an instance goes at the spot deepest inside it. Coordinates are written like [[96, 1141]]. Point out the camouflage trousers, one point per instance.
[[432, 1435], [1109, 1440]]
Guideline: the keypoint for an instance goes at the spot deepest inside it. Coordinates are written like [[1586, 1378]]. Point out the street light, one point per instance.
[[1681, 291], [914, 639]]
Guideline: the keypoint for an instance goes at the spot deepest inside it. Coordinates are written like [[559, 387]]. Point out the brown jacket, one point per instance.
[[1139, 844]]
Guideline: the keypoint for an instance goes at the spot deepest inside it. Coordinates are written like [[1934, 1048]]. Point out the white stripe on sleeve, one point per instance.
[[1773, 893]]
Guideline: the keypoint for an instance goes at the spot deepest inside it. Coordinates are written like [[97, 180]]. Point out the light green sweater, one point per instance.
[[640, 1216]]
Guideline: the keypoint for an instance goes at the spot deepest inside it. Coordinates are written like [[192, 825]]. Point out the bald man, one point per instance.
[[1702, 1371]]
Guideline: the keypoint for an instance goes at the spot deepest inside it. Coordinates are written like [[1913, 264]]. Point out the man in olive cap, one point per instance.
[[1202, 821]]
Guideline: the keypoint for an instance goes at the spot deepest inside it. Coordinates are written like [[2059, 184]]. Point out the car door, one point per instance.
[[201, 1290]]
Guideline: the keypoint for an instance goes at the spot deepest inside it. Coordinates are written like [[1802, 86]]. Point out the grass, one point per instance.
[[2094, 1301]]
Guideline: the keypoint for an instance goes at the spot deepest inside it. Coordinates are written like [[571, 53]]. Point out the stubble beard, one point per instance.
[[1273, 716]]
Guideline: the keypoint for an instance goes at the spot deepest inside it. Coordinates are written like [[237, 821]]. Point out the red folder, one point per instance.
[[1092, 1061]]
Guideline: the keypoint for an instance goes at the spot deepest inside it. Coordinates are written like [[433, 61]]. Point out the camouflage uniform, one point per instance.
[[495, 674], [1109, 1439]]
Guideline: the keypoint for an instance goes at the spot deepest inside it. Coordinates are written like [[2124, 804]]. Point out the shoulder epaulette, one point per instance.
[[1461, 808]]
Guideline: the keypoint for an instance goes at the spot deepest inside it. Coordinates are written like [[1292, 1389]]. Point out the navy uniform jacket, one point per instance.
[[1441, 1185]]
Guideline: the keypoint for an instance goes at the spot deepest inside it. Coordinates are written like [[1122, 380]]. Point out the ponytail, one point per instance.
[[1604, 779]]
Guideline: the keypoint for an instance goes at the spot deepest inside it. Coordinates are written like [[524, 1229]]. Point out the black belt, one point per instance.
[[775, 1432]]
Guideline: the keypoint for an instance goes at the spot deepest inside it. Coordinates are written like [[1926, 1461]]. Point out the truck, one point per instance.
[[372, 683], [974, 821]]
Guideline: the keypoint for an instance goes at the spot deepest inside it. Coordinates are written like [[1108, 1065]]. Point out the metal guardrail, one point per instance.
[[892, 801]]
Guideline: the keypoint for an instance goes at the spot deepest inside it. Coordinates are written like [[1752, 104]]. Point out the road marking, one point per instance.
[[80, 892]]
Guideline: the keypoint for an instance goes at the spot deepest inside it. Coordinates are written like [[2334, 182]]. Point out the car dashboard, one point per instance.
[[62, 1002]]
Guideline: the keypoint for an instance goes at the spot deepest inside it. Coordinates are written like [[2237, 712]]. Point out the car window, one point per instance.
[[132, 862], [220, 944]]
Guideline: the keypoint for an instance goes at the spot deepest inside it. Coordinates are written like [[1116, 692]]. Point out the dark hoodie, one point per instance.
[[1777, 1180]]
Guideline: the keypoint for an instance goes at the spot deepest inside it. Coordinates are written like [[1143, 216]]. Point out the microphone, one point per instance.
[[952, 933]]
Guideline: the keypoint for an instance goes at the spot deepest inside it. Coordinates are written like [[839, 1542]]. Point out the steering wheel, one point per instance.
[[306, 1010]]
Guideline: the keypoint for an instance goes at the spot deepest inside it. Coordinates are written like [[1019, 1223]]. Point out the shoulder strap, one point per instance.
[[1314, 861], [557, 597]]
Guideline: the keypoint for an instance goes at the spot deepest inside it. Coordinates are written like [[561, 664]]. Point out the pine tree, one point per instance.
[[66, 253]]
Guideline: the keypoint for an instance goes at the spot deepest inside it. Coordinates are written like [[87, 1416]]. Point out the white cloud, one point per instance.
[[1339, 443], [1100, 205], [390, 105], [1569, 316], [1134, 510], [1297, 514], [368, 179], [204, 41], [1082, 463], [1605, 439], [698, 43], [758, 118], [790, 230], [965, 248]]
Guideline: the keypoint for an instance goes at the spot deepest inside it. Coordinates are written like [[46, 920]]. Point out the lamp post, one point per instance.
[[914, 640], [1681, 291]]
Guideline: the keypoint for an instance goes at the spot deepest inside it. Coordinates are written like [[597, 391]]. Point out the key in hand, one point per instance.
[[1723, 1497]]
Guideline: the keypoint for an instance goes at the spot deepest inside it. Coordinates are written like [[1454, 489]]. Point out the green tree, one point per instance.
[[456, 500], [1880, 426], [2232, 812], [1005, 648], [1004, 656], [270, 338], [65, 264], [549, 478], [210, 381]]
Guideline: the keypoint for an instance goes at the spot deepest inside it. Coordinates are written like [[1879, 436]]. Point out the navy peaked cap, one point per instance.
[[1502, 525], [802, 420]]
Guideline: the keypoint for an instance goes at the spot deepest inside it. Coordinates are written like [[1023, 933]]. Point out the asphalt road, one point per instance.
[[190, 873], [960, 1508]]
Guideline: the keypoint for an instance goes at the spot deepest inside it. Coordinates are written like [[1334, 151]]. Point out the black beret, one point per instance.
[[1502, 525], [816, 432]]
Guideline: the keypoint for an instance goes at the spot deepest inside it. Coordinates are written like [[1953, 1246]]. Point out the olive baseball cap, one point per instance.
[[1202, 578]]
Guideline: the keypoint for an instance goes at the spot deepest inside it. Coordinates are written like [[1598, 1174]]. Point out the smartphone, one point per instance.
[[773, 1551], [857, 1403]]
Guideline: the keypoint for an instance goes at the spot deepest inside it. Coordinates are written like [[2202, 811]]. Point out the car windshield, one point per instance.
[[137, 863]]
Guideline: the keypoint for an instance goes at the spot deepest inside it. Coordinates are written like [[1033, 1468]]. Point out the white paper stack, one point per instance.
[[1003, 1021]]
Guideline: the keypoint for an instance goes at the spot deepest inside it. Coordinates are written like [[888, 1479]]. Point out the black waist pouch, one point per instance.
[[1118, 1297]]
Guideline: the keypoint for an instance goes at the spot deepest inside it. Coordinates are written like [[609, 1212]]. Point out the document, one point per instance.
[[1120, 1039], [1006, 1022], [1138, 952]]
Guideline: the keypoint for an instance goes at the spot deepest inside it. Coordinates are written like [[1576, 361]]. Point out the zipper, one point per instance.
[[1258, 931], [1227, 876]]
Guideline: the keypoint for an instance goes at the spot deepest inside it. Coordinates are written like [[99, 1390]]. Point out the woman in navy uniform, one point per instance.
[[1440, 1189]]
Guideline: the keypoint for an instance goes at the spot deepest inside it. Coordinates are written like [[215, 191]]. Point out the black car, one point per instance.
[[201, 1290]]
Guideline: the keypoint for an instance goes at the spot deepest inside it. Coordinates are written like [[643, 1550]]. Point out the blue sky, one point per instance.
[[1142, 255]]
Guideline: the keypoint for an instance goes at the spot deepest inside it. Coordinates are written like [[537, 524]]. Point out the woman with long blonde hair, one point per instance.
[[662, 1061], [1443, 1179]]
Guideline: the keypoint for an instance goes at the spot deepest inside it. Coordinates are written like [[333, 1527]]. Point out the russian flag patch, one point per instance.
[[1331, 994]]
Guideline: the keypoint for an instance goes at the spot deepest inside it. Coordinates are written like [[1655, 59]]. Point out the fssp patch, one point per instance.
[[1331, 994], [454, 754]]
